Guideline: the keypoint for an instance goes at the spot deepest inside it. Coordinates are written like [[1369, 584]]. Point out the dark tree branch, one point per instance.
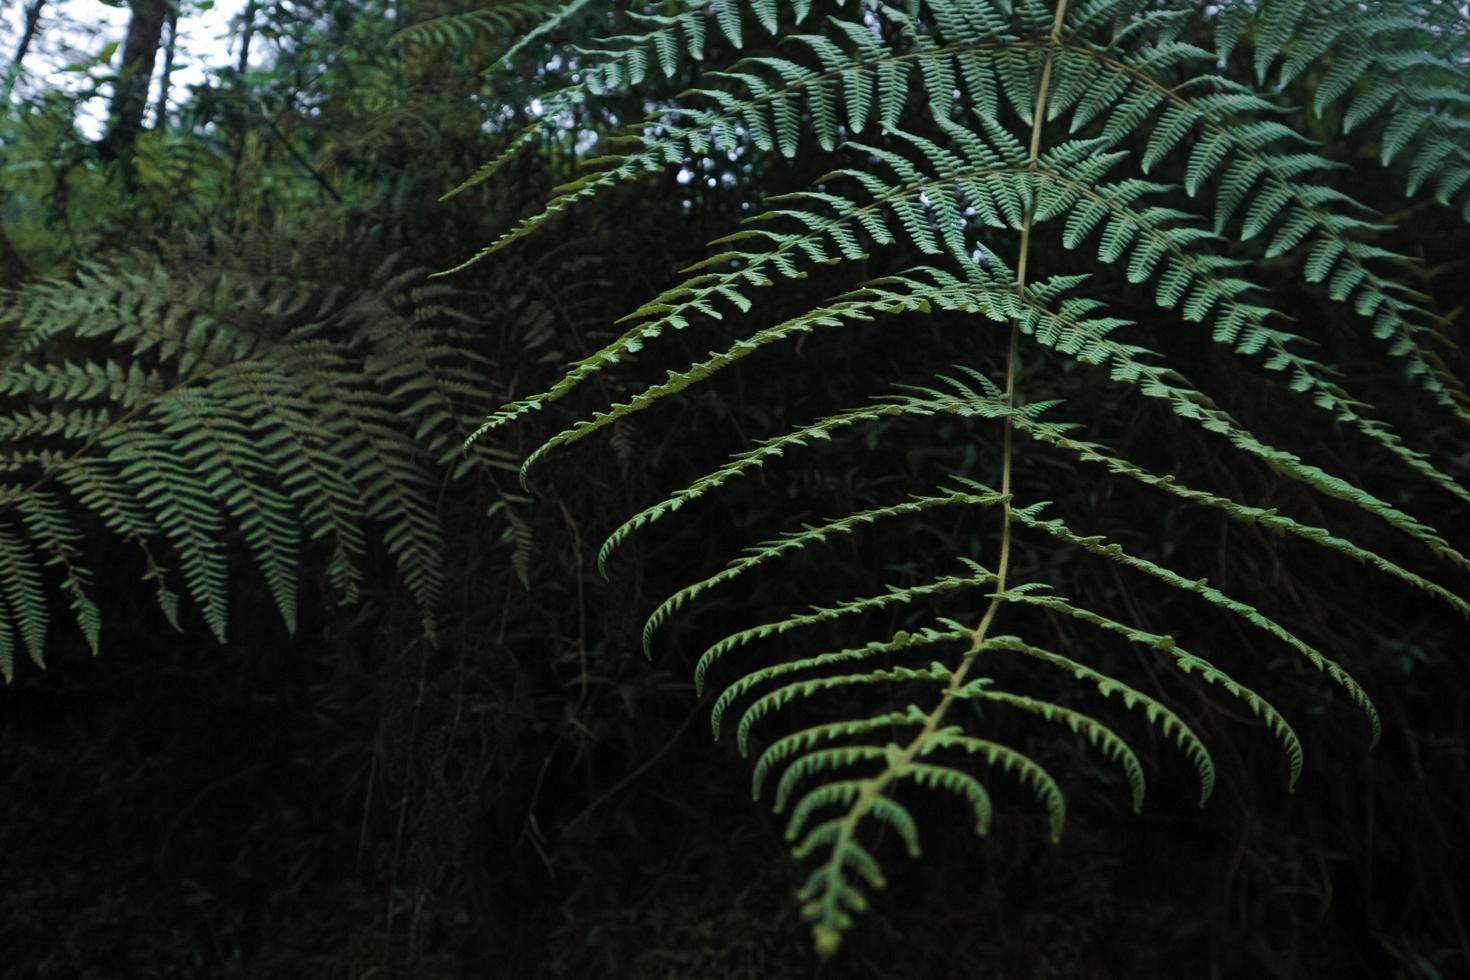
[[33, 20]]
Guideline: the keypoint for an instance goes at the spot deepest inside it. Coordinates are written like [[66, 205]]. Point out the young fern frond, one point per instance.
[[1080, 181]]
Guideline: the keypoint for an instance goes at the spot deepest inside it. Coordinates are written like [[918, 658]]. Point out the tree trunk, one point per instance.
[[160, 115], [13, 268], [247, 33], [130, 95], [33, 19]]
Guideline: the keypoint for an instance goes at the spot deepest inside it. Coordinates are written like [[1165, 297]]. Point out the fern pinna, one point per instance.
[[185, 403], [1158, 151]]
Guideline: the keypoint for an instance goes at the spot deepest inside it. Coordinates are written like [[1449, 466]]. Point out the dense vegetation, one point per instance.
[[1076, 385]]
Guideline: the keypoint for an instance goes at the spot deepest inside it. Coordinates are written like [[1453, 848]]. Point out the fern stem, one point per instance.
[[828, 936], [1038, 117]]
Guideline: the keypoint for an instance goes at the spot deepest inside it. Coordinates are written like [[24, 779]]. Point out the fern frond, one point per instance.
[[820, 614], [1010, 761], [1154, 710], [801, 690], [25, 599], [795, 541], [1187, 663], [223, 405], [51, 531], [900, 641], [619, 63], [789, 745], [1098, 545], [1240, 512], [1051, 164], [1099, 735], [499, 20], [1389, 64]]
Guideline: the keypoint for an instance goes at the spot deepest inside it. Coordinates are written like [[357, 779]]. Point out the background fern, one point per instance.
[[996, 140], [183, 404]]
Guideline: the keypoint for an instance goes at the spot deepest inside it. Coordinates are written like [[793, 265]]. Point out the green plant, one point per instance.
[[997, 141], [226, 390]]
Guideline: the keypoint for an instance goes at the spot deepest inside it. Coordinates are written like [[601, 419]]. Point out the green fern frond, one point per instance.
[[1099, 735], [1097, 545], [223, 405], [1078, 178], [25, 598], [851, 607], [497, 21], [50, 531], [787, 746], [1010, 761], [797, 540], [1155, 711], [900, 641], [1393, 65], [1244, 513], [1187, 663], [801, 690]]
